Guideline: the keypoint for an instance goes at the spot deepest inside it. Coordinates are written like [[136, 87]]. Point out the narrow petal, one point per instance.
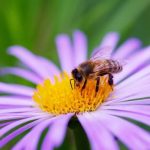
[[26, 114], [99, 136], [37, 130], [17, 110], [33, 135], [135, 102], [127, 48], [52, 68], [5, 124], [17, 132], [139, 138], [23, 73], [141, 109], [15, 124], [135, 64], [141, 74], [80, 47], [133, 94], [110, 39], [11, 117], [56, 133], [29, 60], [133, 90], [135, 116], [20, 116], [65, 52], [12, 100], [16, 89]]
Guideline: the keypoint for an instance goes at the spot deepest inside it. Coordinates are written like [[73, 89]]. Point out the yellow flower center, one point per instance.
[[60, 98]]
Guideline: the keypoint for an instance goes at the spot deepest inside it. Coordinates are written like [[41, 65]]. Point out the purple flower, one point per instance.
[[27, 108]]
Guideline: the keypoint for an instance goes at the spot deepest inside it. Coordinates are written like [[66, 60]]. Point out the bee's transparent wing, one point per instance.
[[102, 53], [101, 66], [122, 62]]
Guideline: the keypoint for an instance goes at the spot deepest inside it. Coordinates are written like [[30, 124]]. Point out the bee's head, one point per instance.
[[77, 75]]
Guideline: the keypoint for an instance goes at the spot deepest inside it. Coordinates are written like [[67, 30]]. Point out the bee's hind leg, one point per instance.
[[97, 85], [110, 80]]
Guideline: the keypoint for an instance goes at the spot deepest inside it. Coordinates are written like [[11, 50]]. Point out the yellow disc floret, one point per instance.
[[59, 98]]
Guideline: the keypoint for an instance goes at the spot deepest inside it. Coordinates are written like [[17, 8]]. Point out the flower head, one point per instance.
[[59, 98], [104, 115]]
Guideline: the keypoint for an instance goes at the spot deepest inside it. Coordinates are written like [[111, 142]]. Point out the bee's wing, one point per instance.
[[101, 66], [103, 53], [122, 62]]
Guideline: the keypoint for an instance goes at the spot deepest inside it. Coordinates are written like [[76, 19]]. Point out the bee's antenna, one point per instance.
[[71, 83]]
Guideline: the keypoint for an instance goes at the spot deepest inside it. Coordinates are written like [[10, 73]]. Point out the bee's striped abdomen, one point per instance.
[[114, 66]]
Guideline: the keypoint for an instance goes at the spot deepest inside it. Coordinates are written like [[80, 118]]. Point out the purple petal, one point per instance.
[[135, 102], [4, 124], [133, 90], [16, 89], [80, 47], [127, 48], [26, 74], [12, 100], [15, 133], [33, 135], [12, 116], [29, 60], [65, 52], [98, 135], [26, 114], [141, 74], [138, 117], [141, 109], [17, 110], [56, 133], [5, 129], [52, 68], [12, 106], [110, 40], [136, 63], [128, 94], [124, 130]]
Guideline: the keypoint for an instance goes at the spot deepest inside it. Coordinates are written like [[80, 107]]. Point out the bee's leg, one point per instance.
[[84, 85], [110, 80], [71, 83], [97, 85]]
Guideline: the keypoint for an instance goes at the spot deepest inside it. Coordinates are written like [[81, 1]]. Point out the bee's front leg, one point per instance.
[[71, 83]]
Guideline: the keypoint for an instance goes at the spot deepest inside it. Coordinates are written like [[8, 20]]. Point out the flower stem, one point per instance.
[[81, 139]]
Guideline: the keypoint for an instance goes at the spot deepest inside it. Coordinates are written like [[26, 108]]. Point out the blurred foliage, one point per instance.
[[34, 24]]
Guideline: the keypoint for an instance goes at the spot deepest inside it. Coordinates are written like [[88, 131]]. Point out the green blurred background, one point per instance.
[[34, 24]]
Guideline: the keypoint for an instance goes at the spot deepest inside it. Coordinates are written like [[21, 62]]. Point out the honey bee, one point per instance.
[[98, 65]]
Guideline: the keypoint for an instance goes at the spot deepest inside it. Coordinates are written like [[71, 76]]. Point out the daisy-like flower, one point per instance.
[[105, 117]]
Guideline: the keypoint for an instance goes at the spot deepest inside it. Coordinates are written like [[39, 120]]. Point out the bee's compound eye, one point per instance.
[[74, 71], [79, 77]]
